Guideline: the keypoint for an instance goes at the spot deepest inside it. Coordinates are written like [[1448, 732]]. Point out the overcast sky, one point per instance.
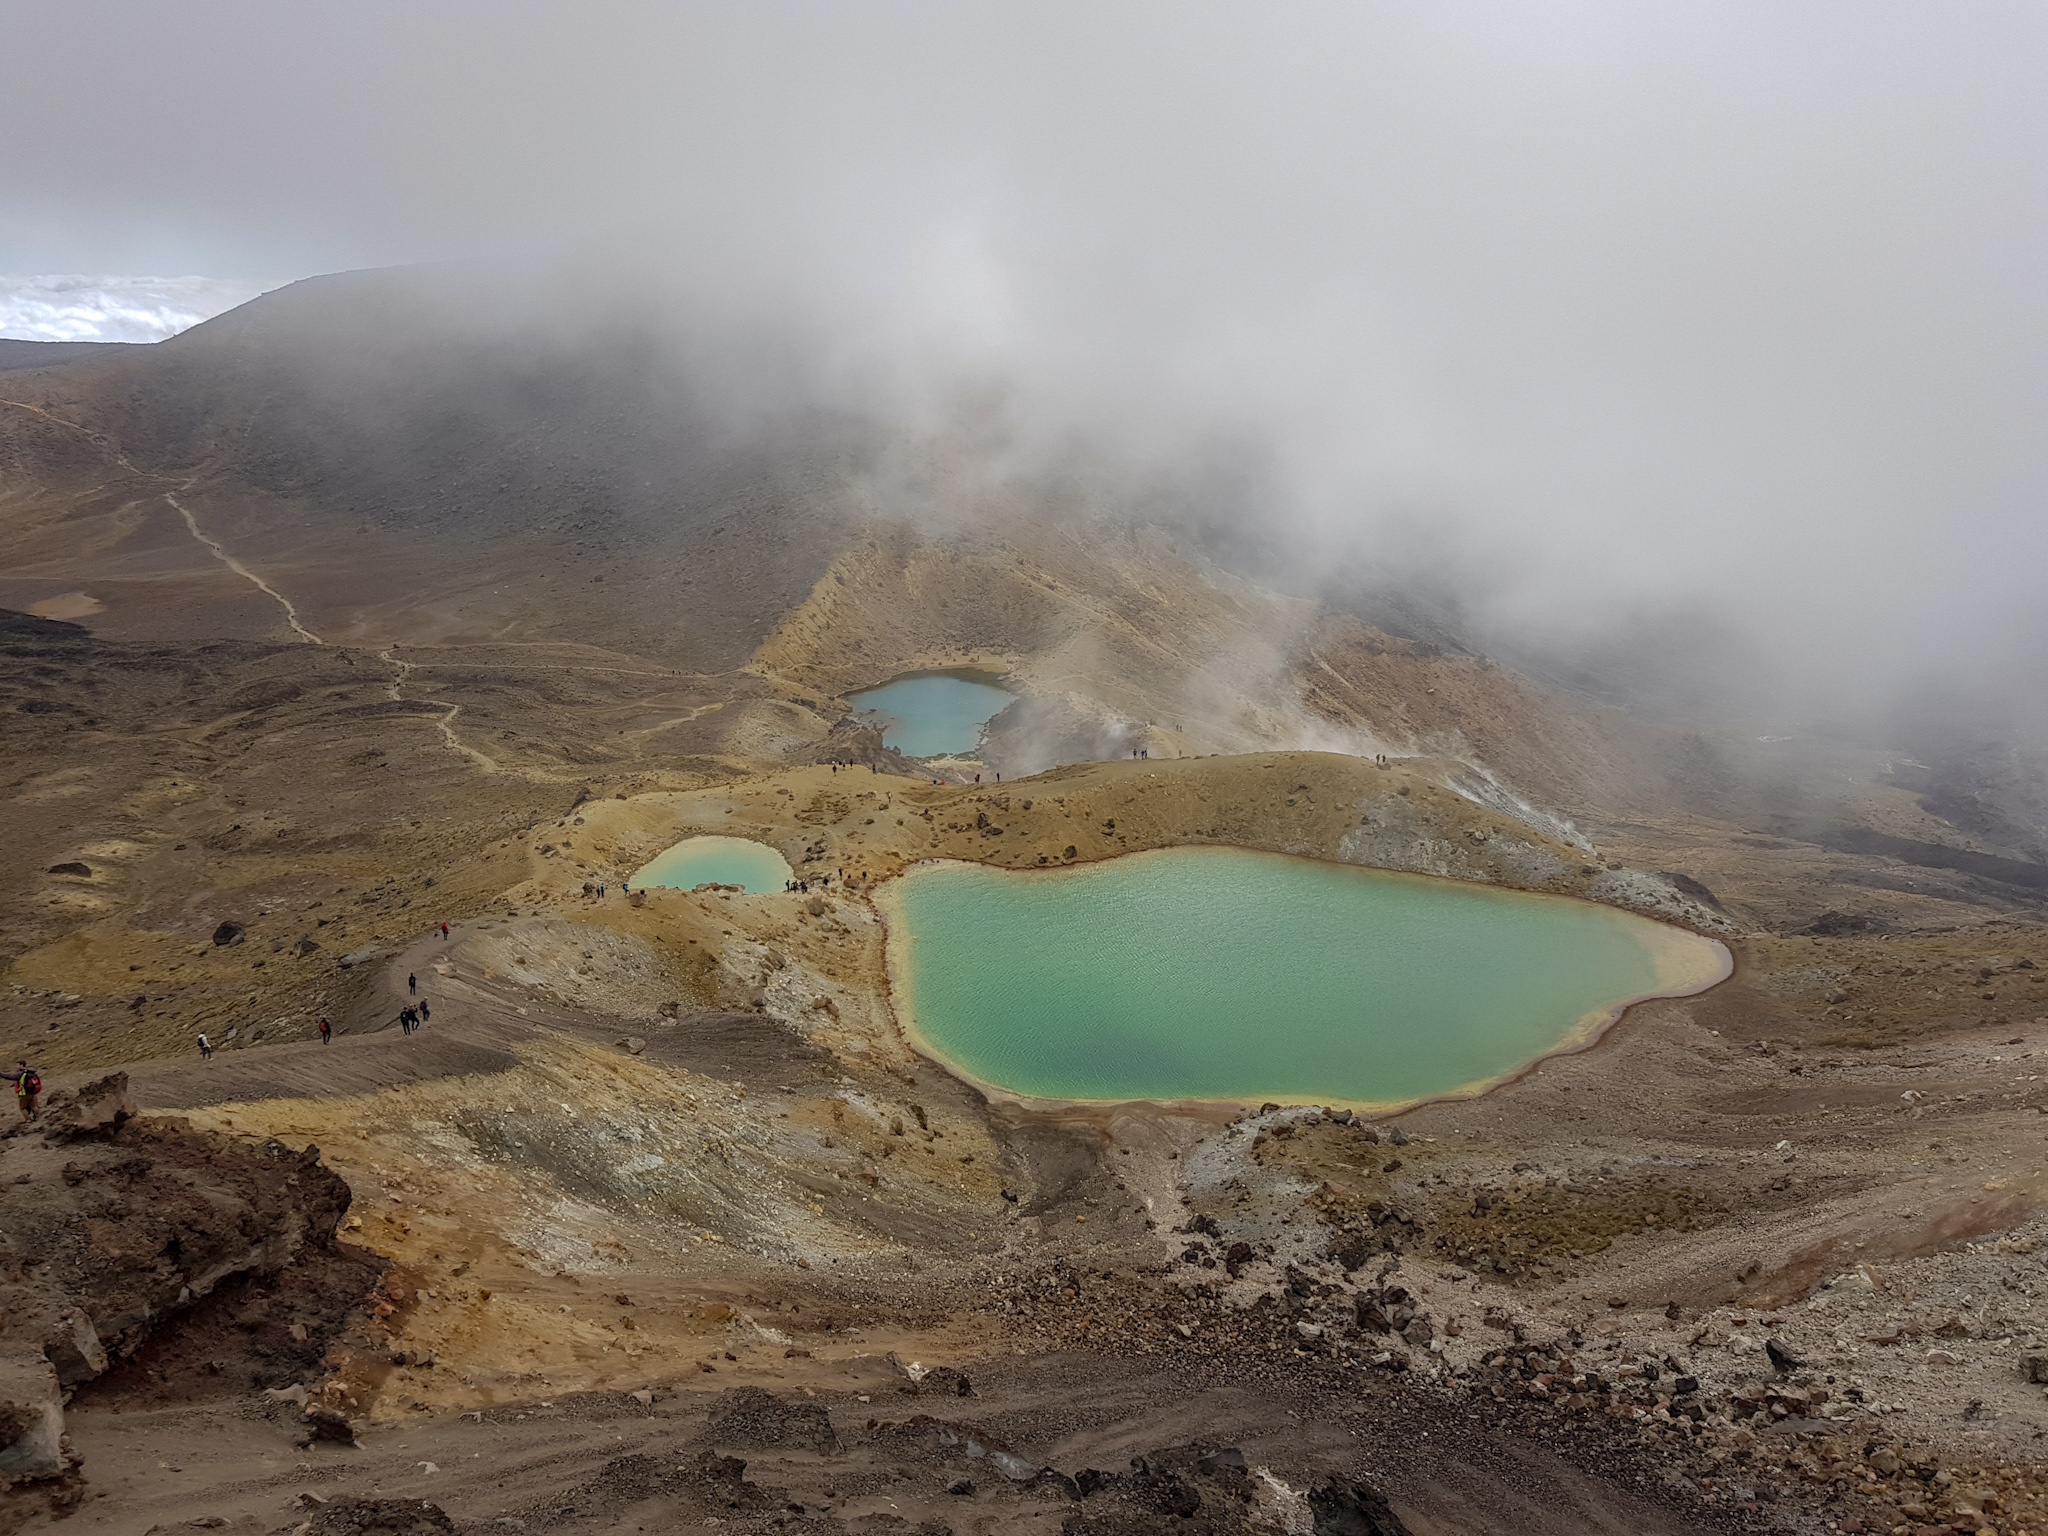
[[1639, 302]]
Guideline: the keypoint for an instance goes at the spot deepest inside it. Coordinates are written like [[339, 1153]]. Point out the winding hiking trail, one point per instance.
[[291, 613], [212, 545], [401, 669]]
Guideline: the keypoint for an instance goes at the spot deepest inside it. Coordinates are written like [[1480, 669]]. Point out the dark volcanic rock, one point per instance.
[[1697, 889], [751, 1418], [940, 1381], [1345, 1508], [228, 933], [380, 1517], [28, 626], [112, 1225]]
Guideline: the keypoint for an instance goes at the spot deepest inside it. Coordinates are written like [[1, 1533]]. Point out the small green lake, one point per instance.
[[931, 714], [697, 861], [1220, 973]]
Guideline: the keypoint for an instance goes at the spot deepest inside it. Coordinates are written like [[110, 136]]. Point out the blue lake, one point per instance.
[[930, 714]]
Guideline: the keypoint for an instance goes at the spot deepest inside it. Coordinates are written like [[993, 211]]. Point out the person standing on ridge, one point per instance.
[[412, 982], [27, 1085], [326, 1032], [444, 933], [426, 1013], [205, 1048]]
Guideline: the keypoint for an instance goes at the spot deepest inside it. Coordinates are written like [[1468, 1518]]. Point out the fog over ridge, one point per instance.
[[1715, 327]]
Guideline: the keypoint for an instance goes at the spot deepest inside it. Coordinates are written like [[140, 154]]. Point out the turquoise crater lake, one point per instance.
[[1220, 973], [931, 714], [699, 861]]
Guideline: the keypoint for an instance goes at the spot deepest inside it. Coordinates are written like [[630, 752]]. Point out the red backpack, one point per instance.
[[30, 1083]]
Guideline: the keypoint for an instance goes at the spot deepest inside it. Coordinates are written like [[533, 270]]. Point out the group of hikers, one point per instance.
[[28, 1083], [849, 767], [413, 1015], [410, 1018]]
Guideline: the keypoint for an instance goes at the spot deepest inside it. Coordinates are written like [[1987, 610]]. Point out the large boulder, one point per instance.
[[115, 1224], [31, 1420]]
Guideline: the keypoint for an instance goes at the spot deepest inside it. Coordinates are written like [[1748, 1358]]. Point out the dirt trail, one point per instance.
[[212, 545], [473, 1030], [291, 613], [840, 1452], [403, 669]]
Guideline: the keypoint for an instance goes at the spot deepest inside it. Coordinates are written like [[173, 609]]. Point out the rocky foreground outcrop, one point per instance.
[[111, 1228]]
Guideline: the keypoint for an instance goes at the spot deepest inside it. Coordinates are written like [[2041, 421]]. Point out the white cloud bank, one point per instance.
[[74, 308]]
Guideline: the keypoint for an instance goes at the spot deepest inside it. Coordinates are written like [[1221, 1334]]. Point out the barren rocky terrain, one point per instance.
[[659, 1221]]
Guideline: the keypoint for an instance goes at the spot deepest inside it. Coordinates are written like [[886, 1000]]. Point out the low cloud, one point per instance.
[[78, 308]]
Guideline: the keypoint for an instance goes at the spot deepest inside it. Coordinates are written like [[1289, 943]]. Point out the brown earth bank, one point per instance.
[[326, 627]]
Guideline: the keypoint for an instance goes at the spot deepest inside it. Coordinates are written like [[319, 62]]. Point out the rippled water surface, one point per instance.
[[1212, 973]]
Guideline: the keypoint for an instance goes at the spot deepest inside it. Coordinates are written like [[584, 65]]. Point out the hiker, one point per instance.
[[412, 982], [444, 933], [408, 1016], [26, 1086], [326, 1033], [425, 1012], [205, 1049]]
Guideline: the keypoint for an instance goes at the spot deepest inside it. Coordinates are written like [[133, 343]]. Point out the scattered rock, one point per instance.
[[228, 933], [751, 1418], [380, 1517]]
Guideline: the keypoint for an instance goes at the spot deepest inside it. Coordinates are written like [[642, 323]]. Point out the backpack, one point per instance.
[[30, 1083]]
